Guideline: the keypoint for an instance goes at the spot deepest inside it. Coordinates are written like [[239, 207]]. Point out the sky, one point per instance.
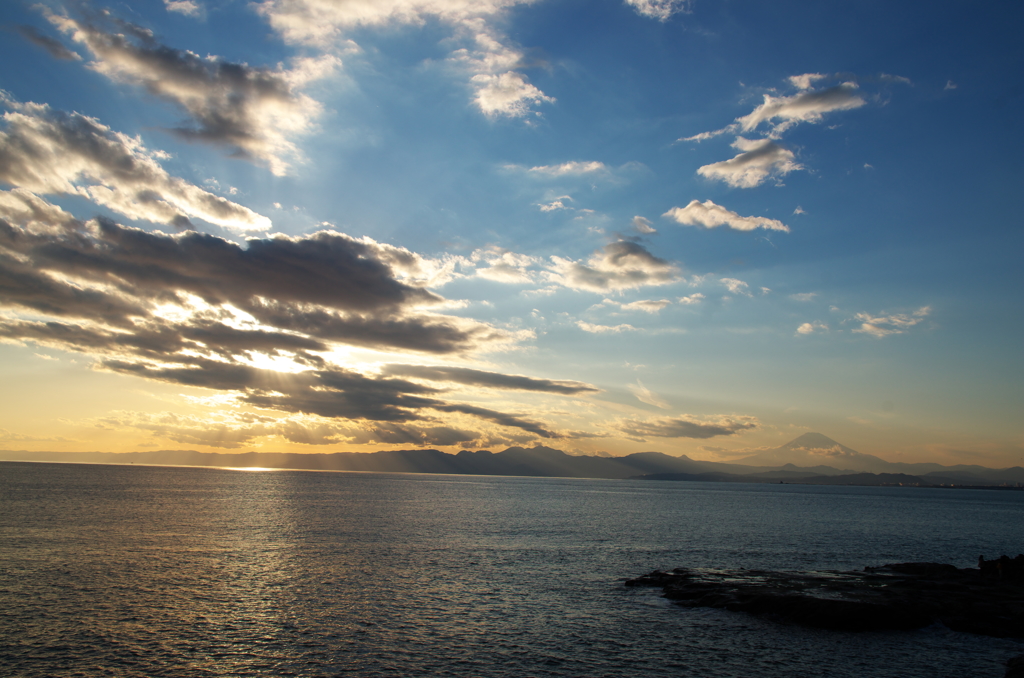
[[603, 226]]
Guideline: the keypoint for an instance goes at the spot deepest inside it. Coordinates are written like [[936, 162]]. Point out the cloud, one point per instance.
[[805, 81], [645, 305], [257, 323], [897, 323], [949, 85], [710, 215], [803, 296], [499, 88], [691, 299], [687, 426], [736, 286], [54, 47], [759, 159], [53, 152], [807, 106], [812, 328], [572, 168], [704, 136], [507, 94], [555, 204], [659, 9], [617, 266], [253, 111], [643, 225], [472, 377], [504, 266], [605, 329], [186, 7], [645, 395]]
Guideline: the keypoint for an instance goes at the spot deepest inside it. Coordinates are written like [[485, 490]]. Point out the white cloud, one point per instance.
[[643, 225], [704, 136], [499, 89], [807, 106], [52, 152], [186, 7], [758, 160], [659, 9], [736, 286], [897, 323], [504, 266], [691, 299], [254, 111], [617, 266], [645, 395], [605, 329], [572, 168], [799, 210], [803, 296], [646, 305], [805, 81], [555, 204], [710, 215], [949, 85], [811, 328], [507, 94]]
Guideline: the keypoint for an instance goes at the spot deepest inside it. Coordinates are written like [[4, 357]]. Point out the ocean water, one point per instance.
[[160, 571]]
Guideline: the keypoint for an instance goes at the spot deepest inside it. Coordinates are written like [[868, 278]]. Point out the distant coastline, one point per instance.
[[543, 461]]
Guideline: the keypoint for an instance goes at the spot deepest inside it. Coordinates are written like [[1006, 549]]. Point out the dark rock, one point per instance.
[[899, 596]]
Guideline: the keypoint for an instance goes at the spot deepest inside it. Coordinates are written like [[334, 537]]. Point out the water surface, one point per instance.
[[161, 571]]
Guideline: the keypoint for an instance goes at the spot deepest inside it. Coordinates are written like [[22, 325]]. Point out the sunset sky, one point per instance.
[[612, 226]]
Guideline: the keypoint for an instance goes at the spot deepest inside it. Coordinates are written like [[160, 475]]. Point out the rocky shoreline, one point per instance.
[[988, 600]]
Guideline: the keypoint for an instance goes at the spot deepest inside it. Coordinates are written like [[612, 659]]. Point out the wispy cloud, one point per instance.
[[661, 10], [710, 215], [643, 225], [497, 380], [896, 323], [605, 329], [646, 395], [54, 47], [571, 168], [687, 426], [493, 62]]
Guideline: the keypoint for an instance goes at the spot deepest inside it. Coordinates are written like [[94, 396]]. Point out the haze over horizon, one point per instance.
[[605, 227]]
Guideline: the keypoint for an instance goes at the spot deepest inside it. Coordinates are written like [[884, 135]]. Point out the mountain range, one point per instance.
[[810, 458]]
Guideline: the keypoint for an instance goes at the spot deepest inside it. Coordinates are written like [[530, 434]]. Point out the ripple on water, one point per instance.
[[135, 571]]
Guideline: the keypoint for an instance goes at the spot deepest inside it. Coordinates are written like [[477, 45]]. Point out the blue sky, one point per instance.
[[607, 226]]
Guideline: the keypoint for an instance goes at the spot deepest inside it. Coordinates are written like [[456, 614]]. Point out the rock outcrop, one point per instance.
[[987, 601]]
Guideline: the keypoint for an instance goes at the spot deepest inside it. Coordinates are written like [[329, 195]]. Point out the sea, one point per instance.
[[109, 570]]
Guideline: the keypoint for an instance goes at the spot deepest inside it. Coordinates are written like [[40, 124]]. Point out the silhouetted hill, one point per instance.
[[514, 461], [771, 466]]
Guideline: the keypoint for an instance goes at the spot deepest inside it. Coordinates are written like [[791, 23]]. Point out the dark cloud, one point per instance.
[[683, 427], [624, 264], [195, 310], [47, 151], [54, 47], [471, 377], [252, 110]]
